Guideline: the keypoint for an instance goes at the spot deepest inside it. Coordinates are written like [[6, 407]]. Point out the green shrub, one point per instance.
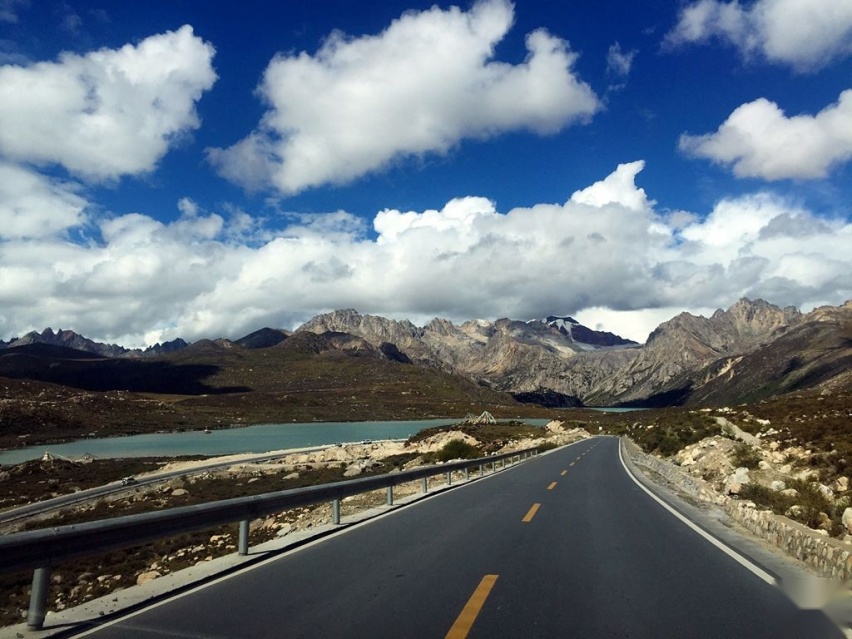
[[547, 446], [745, 456], [457, 449], [766, 498], [810, 500]]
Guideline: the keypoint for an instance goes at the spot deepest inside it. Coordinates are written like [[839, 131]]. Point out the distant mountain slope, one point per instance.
[[507, 354], [752, 350], [815, 352], [688, 343], [263, 338], [70, 339], [78, 369]]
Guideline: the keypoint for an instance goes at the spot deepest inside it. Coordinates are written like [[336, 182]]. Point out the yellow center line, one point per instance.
[[564, 472], [572, 463], [531, 513], [471, 610], [552, 486]]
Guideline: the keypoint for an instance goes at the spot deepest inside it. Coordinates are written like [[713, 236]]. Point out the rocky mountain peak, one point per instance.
[[373, 328], [759, 316], [740, 328], [441, 327]]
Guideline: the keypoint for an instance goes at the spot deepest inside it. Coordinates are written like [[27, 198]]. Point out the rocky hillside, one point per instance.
[[814, 352], [752, 350], [661, 372], [507, 354]]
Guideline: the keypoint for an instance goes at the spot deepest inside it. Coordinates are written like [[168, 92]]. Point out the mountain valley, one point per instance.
[[347, 366]]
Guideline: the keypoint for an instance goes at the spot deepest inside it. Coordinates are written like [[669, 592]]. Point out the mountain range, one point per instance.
[[751, 351]]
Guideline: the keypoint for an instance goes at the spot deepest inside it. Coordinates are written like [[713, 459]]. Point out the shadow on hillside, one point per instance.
[[92, 374], [674, 397]]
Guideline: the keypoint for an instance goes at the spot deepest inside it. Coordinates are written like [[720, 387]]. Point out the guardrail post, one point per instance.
[[38, 599], [335, 511], [424, 485], [466, 474], [244, 535], [390, 495], [481, 470], [449, 477]]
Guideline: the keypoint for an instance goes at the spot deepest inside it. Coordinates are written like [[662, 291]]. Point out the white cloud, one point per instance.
[[803, 34], [605, 256], [759, 140], [618, 62], [632, 324], [9, 10], [109, 113], [421, 86], [618, 188], [33, 206]]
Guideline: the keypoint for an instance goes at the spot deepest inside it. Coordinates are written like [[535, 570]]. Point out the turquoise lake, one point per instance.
[[250, 439]]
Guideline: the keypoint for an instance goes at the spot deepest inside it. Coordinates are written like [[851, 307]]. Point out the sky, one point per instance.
[[183, 169]]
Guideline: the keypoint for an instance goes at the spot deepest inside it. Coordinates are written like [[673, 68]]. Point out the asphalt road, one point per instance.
[[564, 545]]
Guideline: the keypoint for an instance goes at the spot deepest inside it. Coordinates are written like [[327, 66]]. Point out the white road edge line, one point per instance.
[[756, 570]]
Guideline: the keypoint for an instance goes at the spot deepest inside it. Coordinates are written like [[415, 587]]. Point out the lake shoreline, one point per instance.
[[251, 439]]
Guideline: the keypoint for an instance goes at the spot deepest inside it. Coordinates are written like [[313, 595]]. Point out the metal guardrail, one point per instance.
[[42, 549]]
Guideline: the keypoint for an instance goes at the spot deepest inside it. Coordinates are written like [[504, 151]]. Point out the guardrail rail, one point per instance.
[[41, 549]]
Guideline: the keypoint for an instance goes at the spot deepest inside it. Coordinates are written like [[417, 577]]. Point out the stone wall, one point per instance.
[[829, 557]]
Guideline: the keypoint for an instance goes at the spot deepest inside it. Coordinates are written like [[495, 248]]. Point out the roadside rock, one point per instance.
[[147, 576], [736, 481], [357, 467], [846, 520], [555, 426], [436, 442], [729, 428]]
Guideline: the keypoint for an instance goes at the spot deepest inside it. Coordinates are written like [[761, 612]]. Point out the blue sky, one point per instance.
[[200, 170]]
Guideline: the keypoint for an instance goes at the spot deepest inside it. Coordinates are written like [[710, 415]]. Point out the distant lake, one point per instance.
[[614, 410], [249, 439]]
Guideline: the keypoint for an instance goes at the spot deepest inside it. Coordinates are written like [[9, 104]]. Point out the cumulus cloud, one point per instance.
[[606, 255], [108, 113], [618, 62], [421, 86], [33, 206], [803, 34], [759, 140]]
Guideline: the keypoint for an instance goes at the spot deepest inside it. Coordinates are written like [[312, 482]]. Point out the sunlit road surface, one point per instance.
[[564, 545]]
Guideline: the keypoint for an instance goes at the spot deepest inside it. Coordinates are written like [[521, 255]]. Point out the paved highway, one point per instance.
[[564, 545]]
